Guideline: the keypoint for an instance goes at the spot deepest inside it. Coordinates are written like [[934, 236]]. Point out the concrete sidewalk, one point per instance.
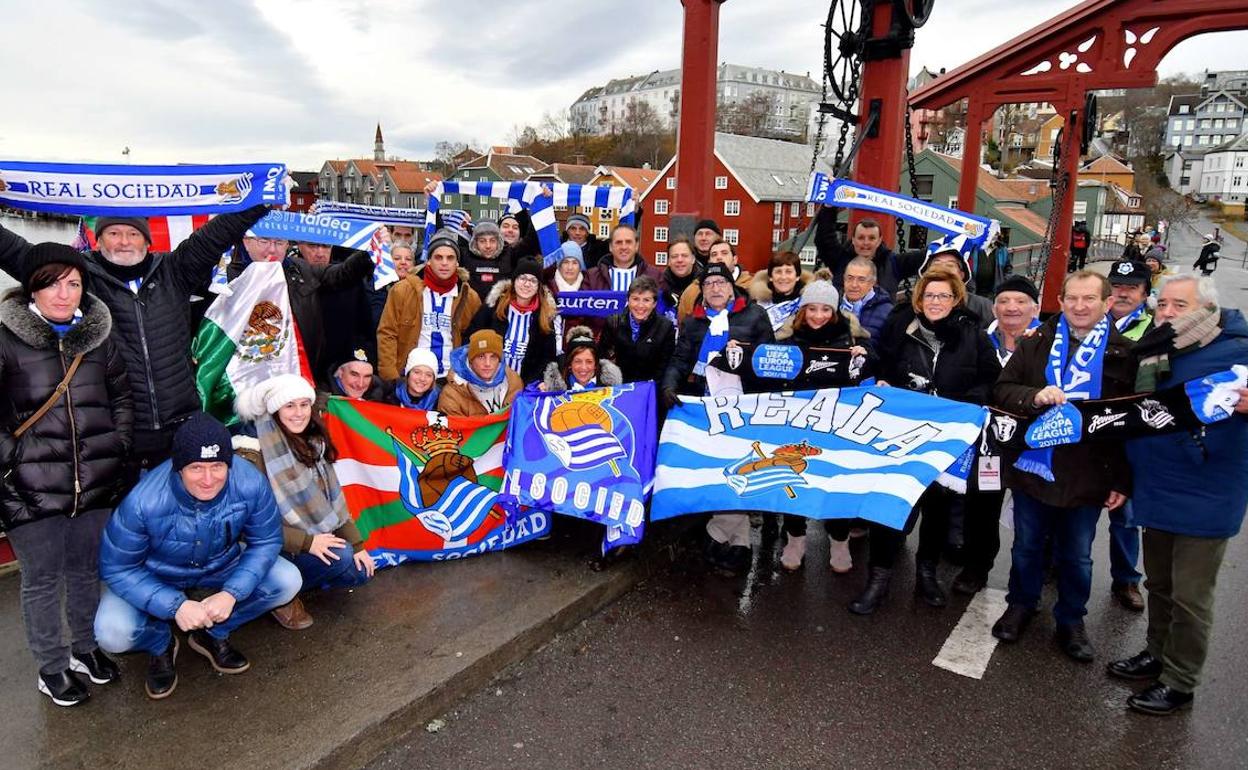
[[379, 662]]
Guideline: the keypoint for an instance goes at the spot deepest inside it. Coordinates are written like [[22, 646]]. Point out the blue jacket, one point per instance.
[[1190, 484], [874, 313], [161, 541]]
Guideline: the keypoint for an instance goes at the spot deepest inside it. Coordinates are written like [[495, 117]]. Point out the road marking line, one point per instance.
[[969, 647]]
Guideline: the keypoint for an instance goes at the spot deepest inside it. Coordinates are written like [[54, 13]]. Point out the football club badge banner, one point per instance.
[[131, 191], [588, 454], [247, 336], [843, 193], [825, 454], [423, 486], [327, 229], [594, 304], [791, 367]]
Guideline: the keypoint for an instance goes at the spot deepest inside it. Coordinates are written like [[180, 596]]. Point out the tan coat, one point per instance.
[[458, 400], [689, 298], [399, 328]]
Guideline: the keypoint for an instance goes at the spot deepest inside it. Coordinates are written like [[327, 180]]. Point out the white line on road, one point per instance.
[[969, 647]]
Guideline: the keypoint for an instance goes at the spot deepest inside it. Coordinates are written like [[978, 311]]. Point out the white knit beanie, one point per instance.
[[421, 357], [271, 395]]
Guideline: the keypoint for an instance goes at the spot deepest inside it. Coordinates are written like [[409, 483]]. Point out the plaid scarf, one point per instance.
[[309, 498], [1194, 330]]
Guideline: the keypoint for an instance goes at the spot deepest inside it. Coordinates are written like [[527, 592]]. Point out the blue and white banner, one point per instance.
[[328, 229], [594, 304], [825, 454], [843, 193], [588, 454], [540, 206], [386, 215], [140, 191]]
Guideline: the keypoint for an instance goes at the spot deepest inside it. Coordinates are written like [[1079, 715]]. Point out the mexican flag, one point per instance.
[[423, 486], [246, 337], [167, 232]]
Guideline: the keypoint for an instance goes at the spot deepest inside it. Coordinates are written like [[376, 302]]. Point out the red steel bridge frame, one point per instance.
[[1099, 44]]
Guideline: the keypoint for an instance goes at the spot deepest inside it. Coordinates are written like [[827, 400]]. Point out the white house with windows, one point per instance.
[[1199, 122], [1224, 176]]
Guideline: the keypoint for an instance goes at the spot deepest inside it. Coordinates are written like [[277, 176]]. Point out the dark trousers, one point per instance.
[[981, 530], [59, 555], [933, 508], [1072, 530], [837, 529], [1124, 546], [1182, 573]]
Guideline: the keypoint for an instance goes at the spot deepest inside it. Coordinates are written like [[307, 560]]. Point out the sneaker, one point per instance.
[[97, 666], [292, 616], [162, 674], [64, 688], [794, 552], [219, 652], [839, 557]]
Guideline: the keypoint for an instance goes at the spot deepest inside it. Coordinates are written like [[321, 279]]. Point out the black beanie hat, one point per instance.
[[708, 224], [716, 270], [138, 223], [527, 267], [201, 439], [1019, 283], [49, 254]]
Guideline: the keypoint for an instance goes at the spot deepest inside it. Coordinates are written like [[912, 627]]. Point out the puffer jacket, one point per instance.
[[152, 328], [541, 349], [747, 323], [843, 332], [608, 376], [963, 368], [161, 541], [647, 357], [70, 461], [403, 318]]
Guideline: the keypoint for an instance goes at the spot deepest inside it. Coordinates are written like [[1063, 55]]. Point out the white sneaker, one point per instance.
[[839, 556], [794, 552]]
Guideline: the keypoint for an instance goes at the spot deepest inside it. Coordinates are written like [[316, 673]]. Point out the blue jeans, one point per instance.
[[122, 627], [337, 574], [1073, 530], [1124, 546]]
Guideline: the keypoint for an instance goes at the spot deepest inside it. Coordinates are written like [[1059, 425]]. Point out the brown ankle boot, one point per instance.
[[293, 616]]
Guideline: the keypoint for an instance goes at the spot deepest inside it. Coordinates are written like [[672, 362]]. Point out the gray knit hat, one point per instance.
[[821, 293], [577, 219]]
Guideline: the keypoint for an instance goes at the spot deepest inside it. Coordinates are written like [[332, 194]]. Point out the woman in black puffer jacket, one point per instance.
[[640, 340], [64, 474], [938, 348]]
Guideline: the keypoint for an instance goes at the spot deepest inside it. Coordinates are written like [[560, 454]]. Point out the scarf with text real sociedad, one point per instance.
[[132, 191], [1080, 379]]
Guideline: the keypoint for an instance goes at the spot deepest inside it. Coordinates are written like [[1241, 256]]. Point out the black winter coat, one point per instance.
[[541, 350], [747, 323], [71, 460], [152, 328], [646, 358], [964, 369], [844, 332]]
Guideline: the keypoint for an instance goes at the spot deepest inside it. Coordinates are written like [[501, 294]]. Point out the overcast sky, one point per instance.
[[300, 81]]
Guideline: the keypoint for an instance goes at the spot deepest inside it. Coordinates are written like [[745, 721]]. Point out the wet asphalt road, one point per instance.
[[694, 670]]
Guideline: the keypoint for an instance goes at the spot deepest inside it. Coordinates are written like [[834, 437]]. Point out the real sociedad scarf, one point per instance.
[[780, 312], [328, 229], [856, 307], [846, 194], [541, 207], [123, 190], [516, 343], [714, 340], [1124, 323], [622, 278], [1003, 355], [435, 325], [386, 215], [1079, 379]]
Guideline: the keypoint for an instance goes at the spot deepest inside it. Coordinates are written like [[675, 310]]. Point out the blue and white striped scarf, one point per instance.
[[516, 342], [436, 332], [384, 214], [622, 278], [541, 208]]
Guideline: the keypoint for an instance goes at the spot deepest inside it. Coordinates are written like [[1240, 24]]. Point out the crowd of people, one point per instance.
[[138, 519]]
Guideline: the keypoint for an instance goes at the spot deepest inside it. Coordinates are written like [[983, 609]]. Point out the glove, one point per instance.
[[669, 398]]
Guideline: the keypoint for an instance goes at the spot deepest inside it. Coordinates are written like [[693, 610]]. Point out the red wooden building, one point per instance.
[[759, 198]]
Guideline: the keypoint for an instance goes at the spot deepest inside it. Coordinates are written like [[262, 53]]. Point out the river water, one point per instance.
[[37, 231]]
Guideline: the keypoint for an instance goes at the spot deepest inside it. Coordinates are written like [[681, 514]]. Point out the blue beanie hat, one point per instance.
[[572, 250], [201, 439]]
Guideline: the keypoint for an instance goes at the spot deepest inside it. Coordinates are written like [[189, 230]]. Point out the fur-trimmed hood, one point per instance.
[[609, 375], [544, 295], [760, 284], [856, 329], [85, 336]]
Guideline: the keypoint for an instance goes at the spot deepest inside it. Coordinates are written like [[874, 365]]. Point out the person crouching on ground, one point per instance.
[[294, 452], [197, 522], [478, 383]]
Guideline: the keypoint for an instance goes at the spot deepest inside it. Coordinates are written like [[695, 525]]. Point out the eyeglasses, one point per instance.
[[526, 279], [712, 283], [280, 243], [858, 279], [942, 297]]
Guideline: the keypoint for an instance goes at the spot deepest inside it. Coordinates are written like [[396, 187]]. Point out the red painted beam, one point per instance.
[[972, 146], [1059, 248], [695, 138], [879, 159]]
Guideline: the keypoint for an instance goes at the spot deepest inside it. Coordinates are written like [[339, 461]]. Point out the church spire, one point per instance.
[[379, 146]]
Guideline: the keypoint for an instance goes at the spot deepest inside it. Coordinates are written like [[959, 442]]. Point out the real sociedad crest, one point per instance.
[[757, 473], [1004, 427], [579, 430], [440, 487]]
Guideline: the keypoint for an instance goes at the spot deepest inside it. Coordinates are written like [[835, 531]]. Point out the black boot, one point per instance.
[[162, 672], [873, 595], [219, 652], [64, 688], [926, 586]]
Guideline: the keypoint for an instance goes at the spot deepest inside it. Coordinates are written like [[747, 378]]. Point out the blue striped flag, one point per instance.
[[826, 454], [458, 513]]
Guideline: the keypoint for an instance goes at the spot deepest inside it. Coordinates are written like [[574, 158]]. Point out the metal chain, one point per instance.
[[1060, 184], [914, 185]]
